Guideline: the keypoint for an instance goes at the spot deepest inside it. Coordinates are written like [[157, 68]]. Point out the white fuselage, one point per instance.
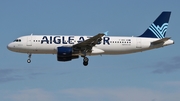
[[46, 44]]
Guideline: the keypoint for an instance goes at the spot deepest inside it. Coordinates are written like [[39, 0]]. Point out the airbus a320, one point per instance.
[[72, 47]]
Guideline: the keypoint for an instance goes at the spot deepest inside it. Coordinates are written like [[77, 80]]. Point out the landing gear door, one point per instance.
[[138, 43], [29, 41]]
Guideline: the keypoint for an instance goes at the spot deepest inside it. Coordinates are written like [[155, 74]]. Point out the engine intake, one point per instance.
[[65, 54]]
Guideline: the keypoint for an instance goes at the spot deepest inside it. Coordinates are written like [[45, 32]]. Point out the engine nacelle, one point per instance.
[[65, 54]]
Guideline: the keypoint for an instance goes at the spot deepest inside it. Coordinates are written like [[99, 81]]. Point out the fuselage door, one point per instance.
[[138, 43], [29, 41]]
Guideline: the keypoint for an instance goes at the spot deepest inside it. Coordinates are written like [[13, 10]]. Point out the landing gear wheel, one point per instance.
[[29, 61], [85, 61]]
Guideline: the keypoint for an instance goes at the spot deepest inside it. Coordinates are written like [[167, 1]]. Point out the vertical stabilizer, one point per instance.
[[159, 27]]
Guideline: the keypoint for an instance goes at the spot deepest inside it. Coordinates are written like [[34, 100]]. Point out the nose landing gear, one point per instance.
[[29, 60]]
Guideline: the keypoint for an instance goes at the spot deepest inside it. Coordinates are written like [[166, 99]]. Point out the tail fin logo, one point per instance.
[[159, 31]]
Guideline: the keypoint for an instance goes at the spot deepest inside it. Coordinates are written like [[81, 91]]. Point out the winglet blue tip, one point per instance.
[[106, 33]]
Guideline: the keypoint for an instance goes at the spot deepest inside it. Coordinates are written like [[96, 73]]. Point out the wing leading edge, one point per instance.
[[89, 43]]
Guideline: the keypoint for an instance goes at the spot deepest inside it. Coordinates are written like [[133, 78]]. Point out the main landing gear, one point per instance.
[[85, 61], [29, 60]]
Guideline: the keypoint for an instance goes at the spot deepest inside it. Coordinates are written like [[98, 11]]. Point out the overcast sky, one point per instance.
[[147, 76]]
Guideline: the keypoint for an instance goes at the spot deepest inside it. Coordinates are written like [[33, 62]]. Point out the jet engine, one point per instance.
[[65, 54]]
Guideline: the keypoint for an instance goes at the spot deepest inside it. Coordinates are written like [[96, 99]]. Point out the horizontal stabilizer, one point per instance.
[[160, 41]]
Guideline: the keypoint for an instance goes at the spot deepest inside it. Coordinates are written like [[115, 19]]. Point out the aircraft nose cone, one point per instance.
[[10, 46]]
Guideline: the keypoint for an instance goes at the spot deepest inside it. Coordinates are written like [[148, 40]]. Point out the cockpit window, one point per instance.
[[17, 40]]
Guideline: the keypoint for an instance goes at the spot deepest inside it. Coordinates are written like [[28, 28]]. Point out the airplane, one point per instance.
[[72, 47]]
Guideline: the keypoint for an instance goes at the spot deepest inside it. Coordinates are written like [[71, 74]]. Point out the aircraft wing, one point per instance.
[[89, 43], [160, 41]]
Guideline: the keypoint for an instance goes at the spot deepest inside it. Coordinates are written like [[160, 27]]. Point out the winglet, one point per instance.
[[106, 33]]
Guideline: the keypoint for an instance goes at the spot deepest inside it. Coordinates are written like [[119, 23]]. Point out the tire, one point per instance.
[[29, 61], [85, 63], [85, 59]]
